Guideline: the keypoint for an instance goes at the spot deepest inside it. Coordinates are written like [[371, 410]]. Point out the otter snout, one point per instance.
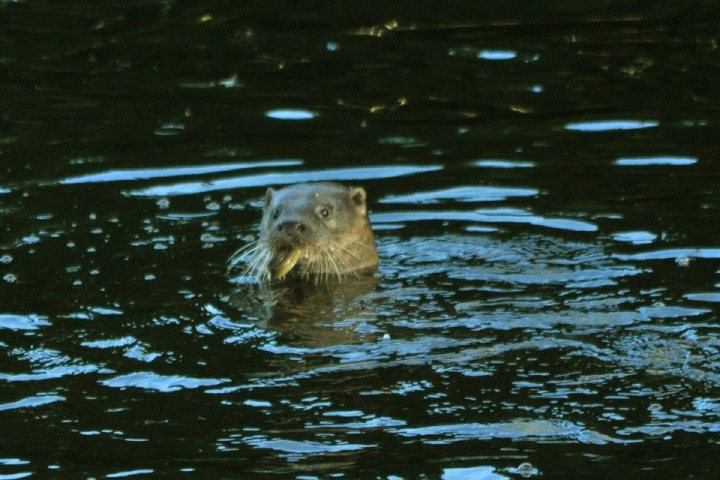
[[291, 229]]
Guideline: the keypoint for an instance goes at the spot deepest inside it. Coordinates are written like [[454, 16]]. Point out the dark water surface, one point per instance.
[[544, 184]]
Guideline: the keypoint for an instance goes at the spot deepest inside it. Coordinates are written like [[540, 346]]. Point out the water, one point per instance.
[[544, 189]]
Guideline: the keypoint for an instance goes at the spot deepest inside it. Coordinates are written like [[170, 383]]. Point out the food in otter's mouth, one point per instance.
[[283, 263], [317, 230]]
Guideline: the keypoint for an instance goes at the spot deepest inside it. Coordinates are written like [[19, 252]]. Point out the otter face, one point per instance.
[[311, 215], [311, 229]]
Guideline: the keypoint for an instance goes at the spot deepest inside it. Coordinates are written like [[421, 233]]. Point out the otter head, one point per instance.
[[316, 228]]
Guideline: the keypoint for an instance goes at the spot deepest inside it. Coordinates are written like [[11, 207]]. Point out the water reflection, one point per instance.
[[636, 238], [319, 315], [544, 204], [150, 173], [497, 163], [648, 161], [609, 125], [291, 114], [284, 178], [499, 216], [463, 194]]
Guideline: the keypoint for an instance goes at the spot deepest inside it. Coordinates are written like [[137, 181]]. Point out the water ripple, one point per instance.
[[22, 322], [291, 114], [609, 125], [672, 253], [296, 447], [505, 215], [650, 161], [31, 402], [539, 431], [463, 194], [165, 172], [499, 163], [284, 178], [160, 383]]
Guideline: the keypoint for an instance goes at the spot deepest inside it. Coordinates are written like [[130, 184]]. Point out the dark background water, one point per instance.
[[543, 181]]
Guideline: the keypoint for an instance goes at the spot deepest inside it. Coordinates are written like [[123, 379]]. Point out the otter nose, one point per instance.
[[291, 228]]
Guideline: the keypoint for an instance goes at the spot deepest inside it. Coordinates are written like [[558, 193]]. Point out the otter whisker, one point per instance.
[[363, 244], [345, 262], [242, 253], [331, 257], [346, 250], [258, 265]]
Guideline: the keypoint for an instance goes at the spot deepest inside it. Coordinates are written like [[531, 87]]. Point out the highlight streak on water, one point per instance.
[[649, 161], [291, 114], [609, 125], [284, 178], [150, 173]]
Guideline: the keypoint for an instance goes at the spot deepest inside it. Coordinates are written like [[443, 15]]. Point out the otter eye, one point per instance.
[[324, 212]]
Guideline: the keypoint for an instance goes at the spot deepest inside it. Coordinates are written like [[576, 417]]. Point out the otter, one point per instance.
[[311, 230]]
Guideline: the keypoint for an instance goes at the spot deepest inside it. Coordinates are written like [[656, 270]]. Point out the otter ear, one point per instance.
[[268, 195], [358, 196]]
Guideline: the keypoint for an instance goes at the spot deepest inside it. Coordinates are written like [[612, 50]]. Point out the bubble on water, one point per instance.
[[149, 277], [31, 239], [525, 470], [163, 203], [682, 261], [6, 259], [10, 278], [229, 82], [213, 206]]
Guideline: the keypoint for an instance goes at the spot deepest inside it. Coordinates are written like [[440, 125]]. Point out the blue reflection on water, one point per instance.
[[635, 237], [30, 402], [463, 194], [291, 114], [497, 54], [499, 163], [472, 473], [284, 178], [149, 173], [607, 125], [499, 215], [672, 254], [648, 161]]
